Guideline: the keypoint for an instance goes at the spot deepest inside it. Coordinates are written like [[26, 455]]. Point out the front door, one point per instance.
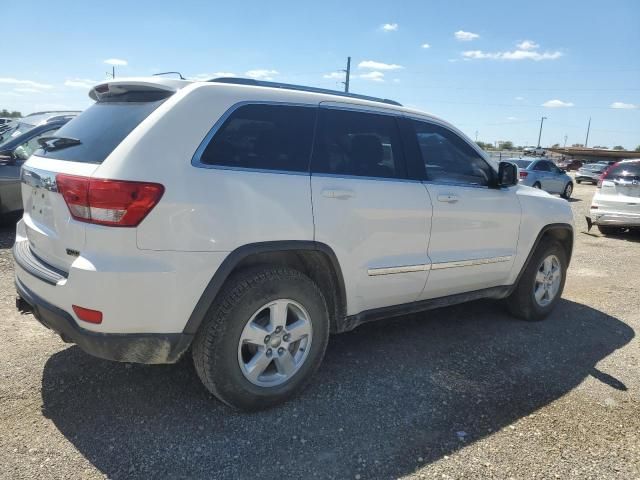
[[474, 229]]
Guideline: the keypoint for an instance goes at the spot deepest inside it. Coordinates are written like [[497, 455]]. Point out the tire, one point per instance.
[[247, 298], [609, 230], [522, 302], [578, 181], [537, 185], [568, 190]]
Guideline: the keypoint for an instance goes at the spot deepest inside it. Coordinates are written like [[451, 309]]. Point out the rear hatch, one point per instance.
[[620, 188], [73, 155]]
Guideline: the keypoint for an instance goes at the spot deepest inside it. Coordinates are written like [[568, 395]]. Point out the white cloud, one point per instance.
[[519, 54], [396, 80], [261, 74], [334, 75], [118, 62], [519, 98], [373, 76], [556, 104], [373, 65], [389, 27], [80, 83], [25, 83], [465, 36], [512, 118], [425, 45], [621, 105], [528, 45], [27, 90]]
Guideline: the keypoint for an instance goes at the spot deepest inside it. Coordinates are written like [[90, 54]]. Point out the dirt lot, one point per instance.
[[458, 392]]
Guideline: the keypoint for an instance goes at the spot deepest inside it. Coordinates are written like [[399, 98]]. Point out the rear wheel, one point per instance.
[[609, 230], [537, 185], [578, 181], [541, 284], [263, 338], [568, 190]]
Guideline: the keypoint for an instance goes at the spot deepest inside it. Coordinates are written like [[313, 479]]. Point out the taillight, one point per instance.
[[88, 315], [523, 174], [604, 175], [117, 203]]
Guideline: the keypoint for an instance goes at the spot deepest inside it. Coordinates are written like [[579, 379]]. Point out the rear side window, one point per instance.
[[270, 137], [542, 167], [100, 129], [358, 143]]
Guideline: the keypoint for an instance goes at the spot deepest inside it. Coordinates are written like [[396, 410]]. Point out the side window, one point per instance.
[[542, 167], [272, 137], [553, 167], [25, 150], [448, 158], [358, 143]]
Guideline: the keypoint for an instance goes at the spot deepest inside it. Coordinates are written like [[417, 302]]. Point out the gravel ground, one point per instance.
[[461, 392]]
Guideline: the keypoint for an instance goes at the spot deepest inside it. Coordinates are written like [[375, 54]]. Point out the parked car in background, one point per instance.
[[590, 172], [544, 174], [176, 217], [533, 151], [5, 125], [570, 164], [22, 125], [616, 204], [13, 154]]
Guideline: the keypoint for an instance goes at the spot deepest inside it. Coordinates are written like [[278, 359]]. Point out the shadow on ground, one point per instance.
[[387, 394]]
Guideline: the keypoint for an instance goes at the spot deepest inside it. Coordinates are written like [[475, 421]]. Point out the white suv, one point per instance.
[[616, 203], [247, 221]]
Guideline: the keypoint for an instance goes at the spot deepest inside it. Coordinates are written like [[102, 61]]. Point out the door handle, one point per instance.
[[448, 198], [340, 193]]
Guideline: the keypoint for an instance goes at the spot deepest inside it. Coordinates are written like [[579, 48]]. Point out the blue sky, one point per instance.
[[489, 67]]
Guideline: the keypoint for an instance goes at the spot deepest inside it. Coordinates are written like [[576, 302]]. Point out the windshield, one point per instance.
[[12, 133], [99, 130]]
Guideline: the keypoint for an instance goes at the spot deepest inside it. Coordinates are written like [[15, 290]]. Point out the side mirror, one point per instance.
[[20, 153], [507, 174]]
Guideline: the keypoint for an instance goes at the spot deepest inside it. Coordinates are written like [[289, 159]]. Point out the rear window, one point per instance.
[[521, 163], [100, 129], [625, 170]]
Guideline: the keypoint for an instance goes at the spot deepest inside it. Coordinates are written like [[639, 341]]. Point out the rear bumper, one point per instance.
[[148, 348], [620, 219]]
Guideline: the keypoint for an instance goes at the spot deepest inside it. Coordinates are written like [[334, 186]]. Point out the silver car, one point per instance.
[[591, 172], [544, 174]]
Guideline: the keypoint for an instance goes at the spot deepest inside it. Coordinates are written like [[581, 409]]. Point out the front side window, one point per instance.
[[448, 158], [271, 137], [357, 143]]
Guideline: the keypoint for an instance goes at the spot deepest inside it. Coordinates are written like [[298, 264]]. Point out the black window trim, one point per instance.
[[475, 148]]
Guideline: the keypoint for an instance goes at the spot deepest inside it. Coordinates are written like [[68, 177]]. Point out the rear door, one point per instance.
[[52, 233], [364, 207], [474, 228], [543, 175]]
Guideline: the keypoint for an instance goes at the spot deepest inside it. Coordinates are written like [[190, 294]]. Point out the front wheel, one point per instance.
[[541, 284], [568, 190], [537, 185], [578, 181], [263, 338]]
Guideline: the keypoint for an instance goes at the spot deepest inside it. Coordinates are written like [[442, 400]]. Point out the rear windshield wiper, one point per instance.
[[52, 143]]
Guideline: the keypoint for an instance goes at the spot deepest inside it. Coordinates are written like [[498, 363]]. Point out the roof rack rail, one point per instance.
[[169, 73], [300, 88]]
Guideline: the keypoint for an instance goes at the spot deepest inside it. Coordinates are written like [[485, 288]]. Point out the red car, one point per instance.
[[570, 164]]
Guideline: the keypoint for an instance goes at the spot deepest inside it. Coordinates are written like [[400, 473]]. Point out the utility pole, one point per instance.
[[586, 140], [348, 74], [540, 134], [113, 71], [565, 141], [476, 136]]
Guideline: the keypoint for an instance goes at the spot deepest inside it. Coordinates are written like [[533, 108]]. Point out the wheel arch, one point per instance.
[[562, 232], [316, 260]]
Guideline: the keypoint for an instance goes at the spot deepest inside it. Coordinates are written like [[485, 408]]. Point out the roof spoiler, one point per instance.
[[116, 88]]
